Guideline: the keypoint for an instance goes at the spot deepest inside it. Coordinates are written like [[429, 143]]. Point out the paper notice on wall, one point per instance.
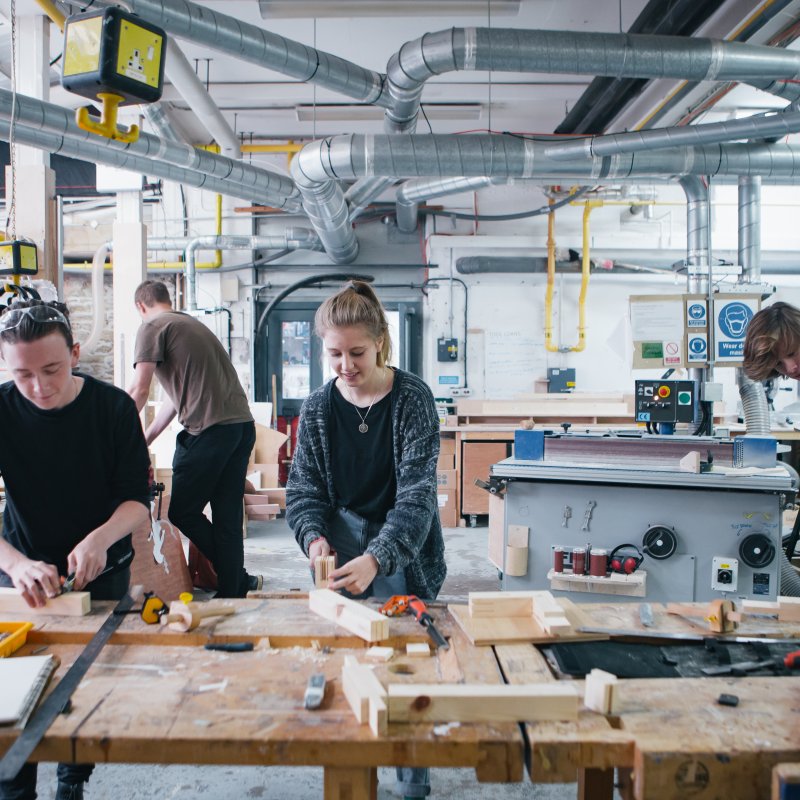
[[659, 320], [513, 361]]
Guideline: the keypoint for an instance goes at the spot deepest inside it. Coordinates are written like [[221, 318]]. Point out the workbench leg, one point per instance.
[[351, 783], [625, 783], [595, 784]]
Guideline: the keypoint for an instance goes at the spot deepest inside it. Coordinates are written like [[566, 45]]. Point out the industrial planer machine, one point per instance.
[[629, 516]]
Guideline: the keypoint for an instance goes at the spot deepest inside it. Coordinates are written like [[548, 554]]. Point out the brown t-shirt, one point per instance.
[[194, 370]]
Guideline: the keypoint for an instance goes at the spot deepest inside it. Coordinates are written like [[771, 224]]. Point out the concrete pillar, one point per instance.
[[32, 180], [130, 269]]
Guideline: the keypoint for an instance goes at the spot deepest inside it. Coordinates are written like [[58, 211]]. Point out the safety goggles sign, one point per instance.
[[697, 347], [696, 316], [731, 318]]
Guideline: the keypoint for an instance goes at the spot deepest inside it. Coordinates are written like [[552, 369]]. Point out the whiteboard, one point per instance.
[[513, 361]]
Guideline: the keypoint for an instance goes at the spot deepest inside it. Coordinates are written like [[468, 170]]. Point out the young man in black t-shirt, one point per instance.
[[79, 441]]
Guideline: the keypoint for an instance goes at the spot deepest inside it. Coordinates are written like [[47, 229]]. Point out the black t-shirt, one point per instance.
[[363, 463], [66, 471]]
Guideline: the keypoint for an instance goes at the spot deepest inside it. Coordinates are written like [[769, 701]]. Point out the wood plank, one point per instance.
[[323, 566], [69, 604], [480, 703], [500, 604], [601, 692], [350, 614], [634, 585]]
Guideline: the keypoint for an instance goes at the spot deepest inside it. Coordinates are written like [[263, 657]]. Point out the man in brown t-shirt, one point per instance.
[[213, 449]]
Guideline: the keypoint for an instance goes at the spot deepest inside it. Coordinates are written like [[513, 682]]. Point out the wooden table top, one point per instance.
[[155, 696]]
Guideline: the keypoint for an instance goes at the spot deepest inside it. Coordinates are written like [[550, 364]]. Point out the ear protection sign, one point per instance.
[[625, 559]]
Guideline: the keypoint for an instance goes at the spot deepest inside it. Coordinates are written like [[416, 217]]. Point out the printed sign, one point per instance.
[[672, 353], [696, 314], [697, 348], [731, 318]]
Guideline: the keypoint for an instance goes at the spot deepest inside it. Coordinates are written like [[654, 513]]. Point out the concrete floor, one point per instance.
[[271, 550]]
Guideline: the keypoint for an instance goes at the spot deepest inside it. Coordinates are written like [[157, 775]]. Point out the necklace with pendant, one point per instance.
[[363, 427]]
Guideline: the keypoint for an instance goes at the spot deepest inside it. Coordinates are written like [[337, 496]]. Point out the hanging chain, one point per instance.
[[11, 219]]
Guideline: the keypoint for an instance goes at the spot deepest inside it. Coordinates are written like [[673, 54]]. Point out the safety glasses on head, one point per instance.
[[41, 314]]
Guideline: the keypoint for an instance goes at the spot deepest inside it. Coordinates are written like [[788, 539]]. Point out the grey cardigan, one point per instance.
[[411, 538]]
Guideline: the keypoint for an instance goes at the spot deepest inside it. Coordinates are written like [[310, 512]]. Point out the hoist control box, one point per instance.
[[113, 51]]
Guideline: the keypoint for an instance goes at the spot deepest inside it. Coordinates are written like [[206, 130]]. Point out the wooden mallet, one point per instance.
[[186, 617]]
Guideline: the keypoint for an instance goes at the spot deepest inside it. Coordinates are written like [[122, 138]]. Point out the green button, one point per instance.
[[684, 398]]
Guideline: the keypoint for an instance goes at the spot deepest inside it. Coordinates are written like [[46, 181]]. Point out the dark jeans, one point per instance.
[[23, 786], [349, 534], [211, 467]]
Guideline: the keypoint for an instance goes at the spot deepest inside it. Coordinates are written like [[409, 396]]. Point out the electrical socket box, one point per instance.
[[18, 258], [724, 574], [462, 392], [447, 349], [560, 381]]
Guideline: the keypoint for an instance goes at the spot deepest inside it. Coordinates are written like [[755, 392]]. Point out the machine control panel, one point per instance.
[[665, 401], [724, 574]]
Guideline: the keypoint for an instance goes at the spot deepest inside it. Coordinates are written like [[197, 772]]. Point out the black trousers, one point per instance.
[[23, 787], [211, 467]]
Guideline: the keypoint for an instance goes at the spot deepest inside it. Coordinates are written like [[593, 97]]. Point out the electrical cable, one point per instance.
[[466, 302]]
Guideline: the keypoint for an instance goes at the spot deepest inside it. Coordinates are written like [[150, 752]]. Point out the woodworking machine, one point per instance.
[[574, 500]]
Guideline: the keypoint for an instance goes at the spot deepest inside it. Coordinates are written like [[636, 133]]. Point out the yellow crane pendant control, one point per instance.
[[116, 57], [18, 257]]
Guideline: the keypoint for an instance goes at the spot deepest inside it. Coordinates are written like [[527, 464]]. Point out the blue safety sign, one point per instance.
[[696, 316], [733, 319]]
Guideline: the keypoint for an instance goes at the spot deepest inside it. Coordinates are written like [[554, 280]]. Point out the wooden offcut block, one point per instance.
[[323, 567], [350, 614], [500, 604], [376, 653], [549, 614], [789, 609], [365, 694], [451, 702], [418, 650], [70, 604], [601, 692]]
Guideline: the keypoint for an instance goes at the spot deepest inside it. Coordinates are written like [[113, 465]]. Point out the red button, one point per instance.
[[664, 391]]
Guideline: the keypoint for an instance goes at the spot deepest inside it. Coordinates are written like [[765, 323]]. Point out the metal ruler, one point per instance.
[[19, 752]]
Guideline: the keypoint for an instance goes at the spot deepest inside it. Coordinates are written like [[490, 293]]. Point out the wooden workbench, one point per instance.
[[154, 696]]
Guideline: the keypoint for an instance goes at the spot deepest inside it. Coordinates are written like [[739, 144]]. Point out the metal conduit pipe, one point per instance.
[[319, 166], [183, 77], [98, 297], [290, 239], [411, 192], [362, 193], [202, 25], [102, 154], [755, 127], [597, 54], [326, 207], [614, 55], [54, 119], [750, 228], [157, 116]]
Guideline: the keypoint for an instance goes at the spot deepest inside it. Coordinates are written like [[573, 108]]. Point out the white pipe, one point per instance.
[[188, 85], [98, 298]]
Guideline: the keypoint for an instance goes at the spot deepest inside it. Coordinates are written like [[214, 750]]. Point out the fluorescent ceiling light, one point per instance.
[[271, 9], [362, 113]]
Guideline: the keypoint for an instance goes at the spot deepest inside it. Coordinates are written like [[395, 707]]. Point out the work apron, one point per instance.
[[349, 534]]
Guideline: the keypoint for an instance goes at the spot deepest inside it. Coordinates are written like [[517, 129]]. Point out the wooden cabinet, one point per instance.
[[476, 460]]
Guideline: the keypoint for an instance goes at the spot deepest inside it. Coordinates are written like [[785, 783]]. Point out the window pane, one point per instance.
[[296, 359]]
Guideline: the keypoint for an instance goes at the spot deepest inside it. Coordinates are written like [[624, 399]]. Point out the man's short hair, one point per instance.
[[772, 334], [27, 328], [149, 293]]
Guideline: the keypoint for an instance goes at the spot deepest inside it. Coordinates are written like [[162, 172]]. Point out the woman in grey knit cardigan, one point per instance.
[[363, 477]]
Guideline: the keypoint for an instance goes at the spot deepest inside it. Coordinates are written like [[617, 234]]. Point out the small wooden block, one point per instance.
[[323, 567], [70, 604], [549, 614], [501, 604], [789, 609], [376, 653], [601, 691], [365, 694], [518, 536], [516, 564], [418, 650], [350, 614]]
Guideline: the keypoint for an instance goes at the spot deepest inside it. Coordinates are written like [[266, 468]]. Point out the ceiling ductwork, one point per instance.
[[242, 180], [411, 193]]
